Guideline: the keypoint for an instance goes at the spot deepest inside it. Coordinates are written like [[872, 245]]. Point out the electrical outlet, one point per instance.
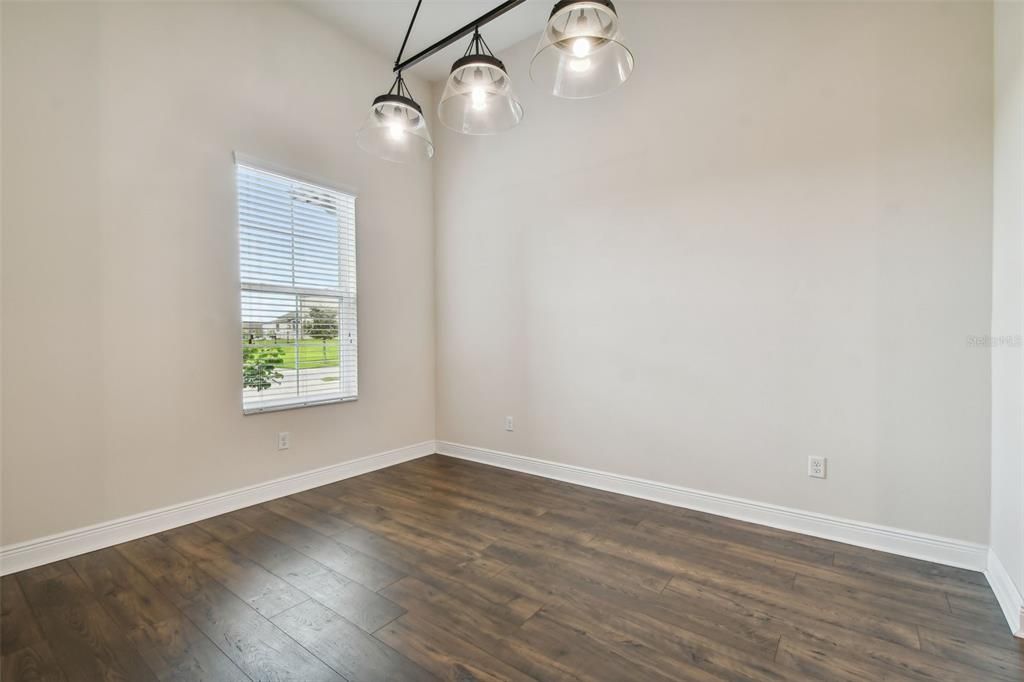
[[283, 440], [816, 467], [509, 426]]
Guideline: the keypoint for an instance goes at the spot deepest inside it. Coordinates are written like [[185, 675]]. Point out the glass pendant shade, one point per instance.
[[478, 98], [581, 52], [396, 131]]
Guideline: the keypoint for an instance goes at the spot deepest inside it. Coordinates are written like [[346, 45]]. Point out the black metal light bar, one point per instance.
[[455, 35]]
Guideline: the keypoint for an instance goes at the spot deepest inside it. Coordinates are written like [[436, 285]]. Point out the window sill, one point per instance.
[[296, 405]]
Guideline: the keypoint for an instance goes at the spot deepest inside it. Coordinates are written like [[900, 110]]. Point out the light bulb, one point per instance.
[[479, 98], [396, 131], [581, 47], [579, 65]]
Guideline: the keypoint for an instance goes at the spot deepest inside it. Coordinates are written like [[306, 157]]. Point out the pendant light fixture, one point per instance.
[[581, 52], [478, 98], [395, 129]]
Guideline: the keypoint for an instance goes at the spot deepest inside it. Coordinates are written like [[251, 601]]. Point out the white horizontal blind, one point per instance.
[[297, 256]]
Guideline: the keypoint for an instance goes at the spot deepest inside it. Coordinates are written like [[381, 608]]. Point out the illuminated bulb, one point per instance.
[[396, 130], [478, 96], [579, 65], [581, 48]]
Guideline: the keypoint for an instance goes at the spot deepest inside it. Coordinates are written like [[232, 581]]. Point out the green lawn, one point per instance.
[[311, 352]]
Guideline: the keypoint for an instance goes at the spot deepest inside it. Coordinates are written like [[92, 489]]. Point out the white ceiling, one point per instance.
[[381, 24]]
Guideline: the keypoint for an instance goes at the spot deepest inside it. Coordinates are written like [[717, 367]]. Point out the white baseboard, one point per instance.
[[1006, 592], [941, 550], [893, 540], [41, 551]]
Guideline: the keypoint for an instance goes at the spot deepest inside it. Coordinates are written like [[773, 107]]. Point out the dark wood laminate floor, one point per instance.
[[439, 568]]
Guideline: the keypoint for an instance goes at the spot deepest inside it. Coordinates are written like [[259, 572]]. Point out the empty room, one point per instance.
[[552, 340]]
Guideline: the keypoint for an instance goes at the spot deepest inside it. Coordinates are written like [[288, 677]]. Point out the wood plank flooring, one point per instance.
[[445, 569]]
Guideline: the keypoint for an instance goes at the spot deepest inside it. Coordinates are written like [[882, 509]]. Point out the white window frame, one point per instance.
[[346, 292]]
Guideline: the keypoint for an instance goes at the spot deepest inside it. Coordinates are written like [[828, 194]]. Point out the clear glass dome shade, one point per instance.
[[478, 98], [396, 131], [582, 52]]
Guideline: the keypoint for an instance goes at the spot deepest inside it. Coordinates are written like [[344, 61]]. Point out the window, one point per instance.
[[297, 257]]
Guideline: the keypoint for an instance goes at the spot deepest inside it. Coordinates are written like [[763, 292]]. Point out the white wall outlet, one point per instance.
[[509, 424], [816, 467], [283, 440]]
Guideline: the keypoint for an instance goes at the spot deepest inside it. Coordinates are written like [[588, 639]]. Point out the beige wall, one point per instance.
[[773, 242], [120, 279], [1008, 293]]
